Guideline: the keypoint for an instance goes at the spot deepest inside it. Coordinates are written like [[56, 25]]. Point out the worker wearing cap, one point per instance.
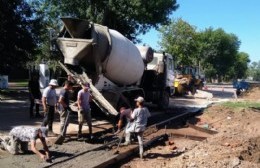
[[19, 138], [139, 117], [49, 100], [84, 111]]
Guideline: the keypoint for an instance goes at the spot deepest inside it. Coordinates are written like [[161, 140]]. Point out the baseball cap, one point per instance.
[[140, 99], [44, 131], [53, 82]]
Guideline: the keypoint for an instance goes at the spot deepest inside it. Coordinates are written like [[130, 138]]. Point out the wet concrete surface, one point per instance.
[[15, 111]]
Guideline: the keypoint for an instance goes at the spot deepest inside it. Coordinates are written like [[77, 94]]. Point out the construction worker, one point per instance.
[[49, 100], [139, 117], [19, 138], [84, 111], [64, 102], [34, 94], [124, 114]]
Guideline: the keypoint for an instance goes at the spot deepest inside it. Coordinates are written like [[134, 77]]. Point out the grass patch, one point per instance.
[[242, 104], [20, 82]]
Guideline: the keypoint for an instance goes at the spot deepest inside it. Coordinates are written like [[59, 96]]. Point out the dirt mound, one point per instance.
[[252, 153], [252, 93], [235, 145]]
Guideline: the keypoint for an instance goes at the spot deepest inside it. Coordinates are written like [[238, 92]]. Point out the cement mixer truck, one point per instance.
[[117, 70]]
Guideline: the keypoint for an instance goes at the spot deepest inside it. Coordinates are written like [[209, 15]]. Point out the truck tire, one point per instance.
[[193, 90], [164, 100], [200, 86]]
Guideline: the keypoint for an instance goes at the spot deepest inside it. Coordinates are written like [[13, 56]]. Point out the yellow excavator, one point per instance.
[[188, 79]]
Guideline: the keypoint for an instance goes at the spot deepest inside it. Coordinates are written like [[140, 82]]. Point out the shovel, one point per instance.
[[60, 139], [119, 143]]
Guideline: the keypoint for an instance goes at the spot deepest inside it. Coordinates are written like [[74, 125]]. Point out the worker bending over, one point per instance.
[[124, 114], [20, 136]]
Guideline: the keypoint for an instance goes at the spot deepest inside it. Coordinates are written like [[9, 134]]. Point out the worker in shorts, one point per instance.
[[84, 111], [65, 108], [125, 114], [49, 100], [20, 136], [139, 118]]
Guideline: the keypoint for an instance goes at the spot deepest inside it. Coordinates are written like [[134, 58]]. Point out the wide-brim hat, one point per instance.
[[53, 82]]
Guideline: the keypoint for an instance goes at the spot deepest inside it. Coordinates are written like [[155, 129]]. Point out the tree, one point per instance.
[[254, 70], [129, 17], [240, 66], [179, 39], [18, 34], [218, 51], [214, 49]]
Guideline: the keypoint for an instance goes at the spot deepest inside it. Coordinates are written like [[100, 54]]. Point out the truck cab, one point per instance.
[[158, 79]]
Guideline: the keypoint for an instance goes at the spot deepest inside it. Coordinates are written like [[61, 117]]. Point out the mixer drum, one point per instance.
[[100, 50]]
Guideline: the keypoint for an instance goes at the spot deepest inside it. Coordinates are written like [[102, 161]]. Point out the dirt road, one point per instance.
[[14, 111]]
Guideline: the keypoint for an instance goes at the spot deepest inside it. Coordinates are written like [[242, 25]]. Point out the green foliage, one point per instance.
[[240, 66], [179, 39], [18, 34], [254, 70], [218, 51], [215, 50], [242, 104], [129, 17]]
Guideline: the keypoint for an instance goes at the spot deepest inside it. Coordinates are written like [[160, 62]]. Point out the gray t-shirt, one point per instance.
[[24, 134], [50, 95], [140, 116], [84, 97]]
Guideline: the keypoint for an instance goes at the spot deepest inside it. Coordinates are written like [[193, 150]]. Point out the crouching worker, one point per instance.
[[139, 117], [125, 114], [19, 137]]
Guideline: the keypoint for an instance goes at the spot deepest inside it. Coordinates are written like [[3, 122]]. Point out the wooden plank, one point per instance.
[[98, 98], [191, 137], [202, 129], [130, 152]]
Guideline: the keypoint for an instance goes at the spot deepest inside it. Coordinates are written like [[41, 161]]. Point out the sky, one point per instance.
[[240, 17]]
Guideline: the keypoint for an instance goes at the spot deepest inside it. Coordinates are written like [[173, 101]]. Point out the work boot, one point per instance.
[[90, 137], [1, 146], [141, 156], [126, 143], [79, 135]]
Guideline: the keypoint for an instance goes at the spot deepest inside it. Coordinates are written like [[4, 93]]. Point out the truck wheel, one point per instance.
[[193, 90], [164, 100], [200, 86]]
